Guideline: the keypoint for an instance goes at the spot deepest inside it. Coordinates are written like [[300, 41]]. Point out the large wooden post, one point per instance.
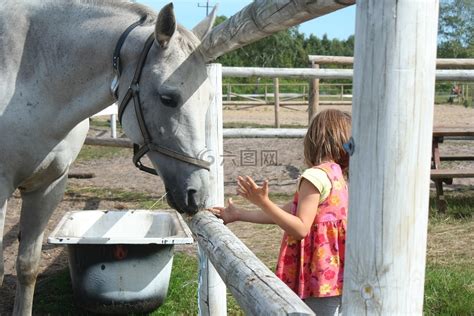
[[394, 76], [313, 95], [212, 290]]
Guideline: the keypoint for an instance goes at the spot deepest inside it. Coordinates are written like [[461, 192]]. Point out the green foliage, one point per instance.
[[456, 29], [288, 48]]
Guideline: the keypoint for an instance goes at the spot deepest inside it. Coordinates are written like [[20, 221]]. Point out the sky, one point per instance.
[[339, 24]]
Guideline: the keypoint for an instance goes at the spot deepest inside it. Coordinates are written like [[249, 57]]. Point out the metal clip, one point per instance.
[[134, 87], [114, 87], [349, 147]]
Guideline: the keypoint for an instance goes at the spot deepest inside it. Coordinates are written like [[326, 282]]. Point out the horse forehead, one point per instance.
[[179, 66]]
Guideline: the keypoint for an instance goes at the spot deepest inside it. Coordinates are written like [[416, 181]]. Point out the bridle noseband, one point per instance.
[[133, 93]]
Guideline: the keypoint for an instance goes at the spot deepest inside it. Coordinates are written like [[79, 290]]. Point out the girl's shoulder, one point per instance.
[[319, 178]]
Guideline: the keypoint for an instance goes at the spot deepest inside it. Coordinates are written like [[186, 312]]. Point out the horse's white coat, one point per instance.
[[55, 72]]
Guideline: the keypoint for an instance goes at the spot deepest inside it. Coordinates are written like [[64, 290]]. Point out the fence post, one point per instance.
[[313, 96], [276, 94], [266, 93], [229, 96], [113, 125], [212, 290], [392, 126]]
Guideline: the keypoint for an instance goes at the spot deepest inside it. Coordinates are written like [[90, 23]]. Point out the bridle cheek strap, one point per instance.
[[133, 93]]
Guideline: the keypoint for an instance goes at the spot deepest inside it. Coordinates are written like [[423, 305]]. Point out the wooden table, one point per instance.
[[440, 175]]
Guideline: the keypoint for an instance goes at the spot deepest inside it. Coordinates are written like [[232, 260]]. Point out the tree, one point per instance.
[[456, 29]]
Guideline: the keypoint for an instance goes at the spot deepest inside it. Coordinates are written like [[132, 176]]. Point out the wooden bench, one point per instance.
[[456, 158], [440, 175], [445, 174]]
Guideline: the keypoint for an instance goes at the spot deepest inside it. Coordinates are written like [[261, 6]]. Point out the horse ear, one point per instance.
[[205, 26], [165, 25]]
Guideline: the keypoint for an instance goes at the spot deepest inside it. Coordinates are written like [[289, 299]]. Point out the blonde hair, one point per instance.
[[327, 133]]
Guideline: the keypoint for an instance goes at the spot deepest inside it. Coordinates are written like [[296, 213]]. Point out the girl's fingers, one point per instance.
[[218, 208], [214, 211], [242, 193], [265, 186], [252, 183], [230, 202], [242, 182], [241, 187], [248, 185]]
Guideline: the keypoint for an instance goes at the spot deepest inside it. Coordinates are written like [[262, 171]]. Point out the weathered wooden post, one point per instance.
[[266, 93], [276, 99], [313, 95], [212, 290], [229, 92], [394, 77]]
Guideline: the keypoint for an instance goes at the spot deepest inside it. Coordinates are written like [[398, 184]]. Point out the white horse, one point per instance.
[[56, 70]]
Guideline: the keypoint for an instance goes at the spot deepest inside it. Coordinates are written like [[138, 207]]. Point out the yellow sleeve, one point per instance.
[[319, 179]]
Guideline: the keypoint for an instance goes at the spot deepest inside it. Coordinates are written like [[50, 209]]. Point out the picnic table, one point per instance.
[[441, 175]]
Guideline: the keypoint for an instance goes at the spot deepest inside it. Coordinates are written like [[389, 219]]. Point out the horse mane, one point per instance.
[[143, 10], [137, 8], [191, 41]]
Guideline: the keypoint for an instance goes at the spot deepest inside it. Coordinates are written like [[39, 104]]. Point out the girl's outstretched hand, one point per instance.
[[228, 214], [255, 194]]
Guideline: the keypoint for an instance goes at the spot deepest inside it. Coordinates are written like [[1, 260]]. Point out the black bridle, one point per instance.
[[133, 93]]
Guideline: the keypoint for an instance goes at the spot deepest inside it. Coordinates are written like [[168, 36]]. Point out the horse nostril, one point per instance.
[[192, 197]]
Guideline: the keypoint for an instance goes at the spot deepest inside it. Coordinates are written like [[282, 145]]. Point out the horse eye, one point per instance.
[[168, 101]]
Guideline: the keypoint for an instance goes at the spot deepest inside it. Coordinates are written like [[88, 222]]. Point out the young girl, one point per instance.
[[311, 260]]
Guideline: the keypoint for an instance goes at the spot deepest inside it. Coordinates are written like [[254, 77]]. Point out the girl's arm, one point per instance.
[[296, 226], [232, 213]]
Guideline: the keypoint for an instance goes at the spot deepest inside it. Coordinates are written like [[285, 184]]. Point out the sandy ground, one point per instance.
[[279, 160]]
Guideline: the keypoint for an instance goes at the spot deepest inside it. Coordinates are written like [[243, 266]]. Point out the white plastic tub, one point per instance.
[[120, 261]]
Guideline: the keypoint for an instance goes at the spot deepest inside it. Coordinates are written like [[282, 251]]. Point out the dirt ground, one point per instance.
[[279, 160]]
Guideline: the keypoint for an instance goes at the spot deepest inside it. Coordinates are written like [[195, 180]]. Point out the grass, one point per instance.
[[449, 290], [89, 153], [139, 199]]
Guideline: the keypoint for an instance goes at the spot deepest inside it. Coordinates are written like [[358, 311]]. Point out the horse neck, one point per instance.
[[75, 58]]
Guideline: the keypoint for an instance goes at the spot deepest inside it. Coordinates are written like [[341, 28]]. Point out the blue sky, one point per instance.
[[339, 24]]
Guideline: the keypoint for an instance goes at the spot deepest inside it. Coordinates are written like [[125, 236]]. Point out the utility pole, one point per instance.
[[207, 6]]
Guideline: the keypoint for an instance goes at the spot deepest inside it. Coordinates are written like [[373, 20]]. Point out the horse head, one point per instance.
[[164, 109]]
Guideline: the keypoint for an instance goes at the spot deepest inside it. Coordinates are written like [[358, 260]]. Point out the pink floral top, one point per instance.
[[314, 266]]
